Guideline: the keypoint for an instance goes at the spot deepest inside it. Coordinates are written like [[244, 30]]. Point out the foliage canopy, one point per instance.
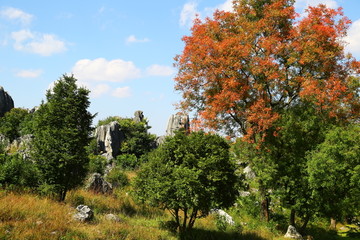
[[334, 172], [189, 175]]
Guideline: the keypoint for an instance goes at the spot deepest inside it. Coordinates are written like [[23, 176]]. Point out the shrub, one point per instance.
[[117, 178], [127, 161], [17, 172], [97, 164]]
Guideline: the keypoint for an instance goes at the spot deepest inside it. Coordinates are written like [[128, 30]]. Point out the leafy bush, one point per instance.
[[117, 178], [17, 172], [97, 164], [108, 120], [127, 161], [10, 124]]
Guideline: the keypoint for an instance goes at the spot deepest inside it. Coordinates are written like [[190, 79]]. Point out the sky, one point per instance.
[[122, 51]]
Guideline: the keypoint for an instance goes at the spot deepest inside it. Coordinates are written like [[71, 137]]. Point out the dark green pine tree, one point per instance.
[[62, 131]]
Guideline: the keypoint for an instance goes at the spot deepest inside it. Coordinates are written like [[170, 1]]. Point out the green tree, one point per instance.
[[188, 175], [334, 172], [11, 123], [138, 140], [62, 131], [301, 129], [280, 161]]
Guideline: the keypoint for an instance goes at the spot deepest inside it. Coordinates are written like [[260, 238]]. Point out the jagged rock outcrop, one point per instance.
[[160, 140], [109, 138], [293, 233], [139, 116], [176, 122], [98, 184], [84, 213], [22, 145], [6, 102]]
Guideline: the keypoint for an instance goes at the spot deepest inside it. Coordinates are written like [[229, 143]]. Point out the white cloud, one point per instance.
[[16, 15], [188, 14], [306, 3], [159, 70], [353, 38], [29, 73], [226, 6], [133, 39], [190, 11], [123, 92], [99, 90], [102, 70], [38, 43]]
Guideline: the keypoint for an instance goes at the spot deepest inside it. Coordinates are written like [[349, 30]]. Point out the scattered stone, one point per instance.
[[176, 122], [39, 222], [112, 217], [84, 213], [293, 233], [98, 184], [244, 194], [6, 102], [227, 218]]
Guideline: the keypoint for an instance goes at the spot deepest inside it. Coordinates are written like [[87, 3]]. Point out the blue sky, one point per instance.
[[121, 50]]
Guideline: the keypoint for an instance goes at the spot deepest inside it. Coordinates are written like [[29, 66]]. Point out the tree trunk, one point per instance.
[[62, 195], [332, 224], [265, 212], [184, 220], [306, 221], [177, 218], [292, 217], [192, 219]]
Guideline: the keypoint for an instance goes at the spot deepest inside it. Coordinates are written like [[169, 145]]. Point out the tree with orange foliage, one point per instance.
[[251, 72], [239, 70]]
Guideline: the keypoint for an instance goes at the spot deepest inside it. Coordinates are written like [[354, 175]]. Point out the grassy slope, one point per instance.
[[27, 216]]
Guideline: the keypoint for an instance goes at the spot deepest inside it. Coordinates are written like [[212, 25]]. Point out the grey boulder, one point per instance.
[[98, 184], [84, 213], [293, 233]]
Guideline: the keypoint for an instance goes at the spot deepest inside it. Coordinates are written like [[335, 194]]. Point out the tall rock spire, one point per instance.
[[6, 102]]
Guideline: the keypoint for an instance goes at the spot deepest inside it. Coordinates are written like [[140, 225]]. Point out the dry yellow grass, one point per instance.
[[31, 217]]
